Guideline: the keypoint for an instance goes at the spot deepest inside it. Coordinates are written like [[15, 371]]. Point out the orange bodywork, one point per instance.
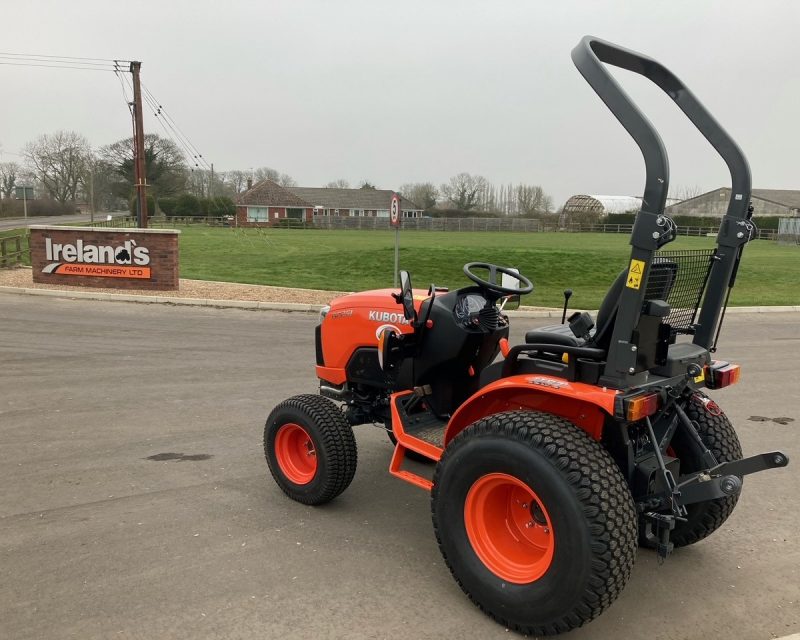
[[355, 321], [582, 404]]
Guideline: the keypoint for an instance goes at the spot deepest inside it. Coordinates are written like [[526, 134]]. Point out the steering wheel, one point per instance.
[[526, 286]]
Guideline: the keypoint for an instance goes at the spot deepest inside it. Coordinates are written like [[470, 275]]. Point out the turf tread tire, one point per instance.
[[594, 479], [718, 434], [334, 441]]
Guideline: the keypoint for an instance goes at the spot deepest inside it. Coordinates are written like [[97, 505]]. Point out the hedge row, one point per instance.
[[188, 206], [762, 222]]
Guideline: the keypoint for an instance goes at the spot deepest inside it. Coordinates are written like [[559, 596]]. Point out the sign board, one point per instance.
[[394, 211], [23, 193], [97, 257]]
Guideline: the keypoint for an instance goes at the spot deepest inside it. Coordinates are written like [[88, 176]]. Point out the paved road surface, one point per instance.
[[17, 223], [98, 541]]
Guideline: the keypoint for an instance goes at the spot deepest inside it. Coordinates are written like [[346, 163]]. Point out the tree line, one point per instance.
[[65, 171]]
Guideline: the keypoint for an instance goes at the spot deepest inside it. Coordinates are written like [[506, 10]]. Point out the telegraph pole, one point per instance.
[[140, 174]]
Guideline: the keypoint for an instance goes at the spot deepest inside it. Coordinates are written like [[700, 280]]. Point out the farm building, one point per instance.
[[369, 203], [714, 204], [601, 205], [266, 203]]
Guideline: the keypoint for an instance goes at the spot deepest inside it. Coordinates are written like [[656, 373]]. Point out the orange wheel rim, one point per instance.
[[296, 453], [509, 528]]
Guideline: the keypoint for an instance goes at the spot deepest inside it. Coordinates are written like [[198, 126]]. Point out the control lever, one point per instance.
[[567, 296]]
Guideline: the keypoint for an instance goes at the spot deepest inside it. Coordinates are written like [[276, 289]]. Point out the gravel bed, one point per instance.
[[202, 289], [199, 289]]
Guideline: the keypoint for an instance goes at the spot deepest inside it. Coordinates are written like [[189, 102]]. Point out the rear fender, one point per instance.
[[582, 404]]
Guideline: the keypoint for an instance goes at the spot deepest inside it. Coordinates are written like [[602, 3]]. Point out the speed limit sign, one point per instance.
[[394, 212]]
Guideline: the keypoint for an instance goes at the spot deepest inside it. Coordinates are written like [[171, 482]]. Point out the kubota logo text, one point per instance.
[[385, 316], [82, 259]]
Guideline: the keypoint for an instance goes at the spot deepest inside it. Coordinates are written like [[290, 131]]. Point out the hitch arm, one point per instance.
[[725, 479]]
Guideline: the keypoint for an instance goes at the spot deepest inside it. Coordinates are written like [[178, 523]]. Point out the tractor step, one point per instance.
[[416, 429], [430, 430]]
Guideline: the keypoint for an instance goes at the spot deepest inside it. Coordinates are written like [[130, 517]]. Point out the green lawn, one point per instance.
[[356, 260]]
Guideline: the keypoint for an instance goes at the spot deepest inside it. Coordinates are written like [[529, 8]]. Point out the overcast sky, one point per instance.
[[409, 91]]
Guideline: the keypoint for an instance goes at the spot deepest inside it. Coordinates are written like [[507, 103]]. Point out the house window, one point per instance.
[[336, 212], [356, 212], [256, 214], [383, 213], [297, 214]]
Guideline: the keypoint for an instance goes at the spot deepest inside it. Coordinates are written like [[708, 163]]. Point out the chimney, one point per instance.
[[249, 184]]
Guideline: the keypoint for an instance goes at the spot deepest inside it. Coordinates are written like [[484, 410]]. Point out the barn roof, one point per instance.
[[787, 197]]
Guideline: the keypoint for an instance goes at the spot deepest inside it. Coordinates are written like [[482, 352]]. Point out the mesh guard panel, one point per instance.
[[679, 278]]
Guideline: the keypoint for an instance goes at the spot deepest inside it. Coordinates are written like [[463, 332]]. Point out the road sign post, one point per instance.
[[394, 220], [24, 193]]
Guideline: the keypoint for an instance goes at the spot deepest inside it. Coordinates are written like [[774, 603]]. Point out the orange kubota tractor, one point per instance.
[[554, 458]]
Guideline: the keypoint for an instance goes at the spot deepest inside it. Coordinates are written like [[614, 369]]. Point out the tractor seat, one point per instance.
[[659, 286], [559, 334]]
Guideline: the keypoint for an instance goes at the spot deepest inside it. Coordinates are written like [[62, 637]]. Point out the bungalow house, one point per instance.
[[266, 203], [353, 203]]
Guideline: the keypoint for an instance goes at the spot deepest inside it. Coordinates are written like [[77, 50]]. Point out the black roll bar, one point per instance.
[[588, 57], [591, 56]]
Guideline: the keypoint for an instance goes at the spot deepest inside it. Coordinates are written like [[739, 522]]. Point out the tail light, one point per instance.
[[722, 374], [641, 406]]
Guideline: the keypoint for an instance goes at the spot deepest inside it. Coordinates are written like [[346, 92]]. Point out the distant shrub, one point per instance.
[[151, 205], [167, 206], [187, 206]]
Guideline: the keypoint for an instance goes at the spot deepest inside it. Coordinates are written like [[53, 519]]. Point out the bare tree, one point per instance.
[[531, 200], [268, 173], [423, 194], [59, 162], [684, 192], [286, 180], [237, 180], [465, 191], [341, 183], [366, 184], [9, 172]]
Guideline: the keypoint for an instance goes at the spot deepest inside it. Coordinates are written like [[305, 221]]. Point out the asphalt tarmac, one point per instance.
[[136, 502]]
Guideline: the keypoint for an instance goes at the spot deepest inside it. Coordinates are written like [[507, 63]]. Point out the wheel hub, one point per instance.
[[295, 453], [509, 528]]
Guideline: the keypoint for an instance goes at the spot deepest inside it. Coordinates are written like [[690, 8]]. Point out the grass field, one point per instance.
[[356, 260]]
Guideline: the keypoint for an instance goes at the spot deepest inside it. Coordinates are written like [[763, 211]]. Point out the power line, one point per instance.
[[55, 66], [42, 55], [173, 125]]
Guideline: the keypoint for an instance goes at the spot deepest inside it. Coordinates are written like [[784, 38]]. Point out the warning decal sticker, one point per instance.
[[635, 274]]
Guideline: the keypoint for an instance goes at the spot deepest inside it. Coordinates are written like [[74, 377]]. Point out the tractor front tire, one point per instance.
[[718, 434], [534, 520], [310, 449]]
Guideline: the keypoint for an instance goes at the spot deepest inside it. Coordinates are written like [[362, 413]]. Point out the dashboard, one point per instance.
[[467, 310]]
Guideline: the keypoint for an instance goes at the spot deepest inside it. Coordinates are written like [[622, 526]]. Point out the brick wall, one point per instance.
[[111, 258]]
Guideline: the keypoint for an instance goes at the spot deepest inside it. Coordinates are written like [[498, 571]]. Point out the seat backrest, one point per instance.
[[659, 285]]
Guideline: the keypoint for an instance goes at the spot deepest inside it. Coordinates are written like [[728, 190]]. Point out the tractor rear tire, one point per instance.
[[718, 434], [310, 449], [534, 520]]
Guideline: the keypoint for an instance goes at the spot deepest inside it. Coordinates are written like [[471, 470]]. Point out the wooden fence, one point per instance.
[[13, 250], [509, 224]]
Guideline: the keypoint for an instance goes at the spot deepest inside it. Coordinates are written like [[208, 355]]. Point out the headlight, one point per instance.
[[324, 312]]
